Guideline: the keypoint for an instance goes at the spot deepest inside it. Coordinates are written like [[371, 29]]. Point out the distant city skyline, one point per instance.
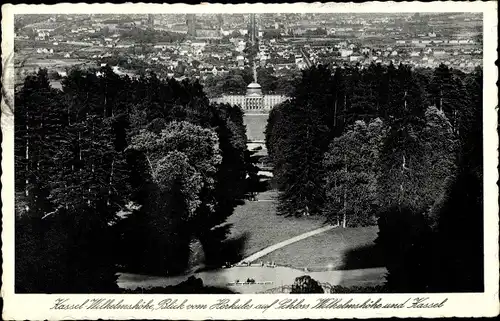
[[213, 45]]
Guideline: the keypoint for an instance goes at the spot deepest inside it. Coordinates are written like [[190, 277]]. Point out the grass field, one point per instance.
[[340, 256], [256, 125], [338, 249], [257, 224]]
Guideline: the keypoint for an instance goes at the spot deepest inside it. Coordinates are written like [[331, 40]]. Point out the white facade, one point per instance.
[[252, 102], [272, 100]]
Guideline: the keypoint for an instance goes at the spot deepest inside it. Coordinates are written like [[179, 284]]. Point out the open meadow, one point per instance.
[[256, 124], [336, 249], [257, 226]]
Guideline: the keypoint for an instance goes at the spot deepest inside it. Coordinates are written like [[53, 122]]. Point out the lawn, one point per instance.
[[337, 249], [257, 224], [256, 125], [339, 256]]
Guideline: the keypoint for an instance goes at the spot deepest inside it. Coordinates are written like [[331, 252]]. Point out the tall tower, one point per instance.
[[191, 23]]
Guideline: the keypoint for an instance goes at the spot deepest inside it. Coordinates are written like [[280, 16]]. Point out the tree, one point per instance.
[[183, 153], [402, 175], [40, 119], [364, 98], [74, 197], [234, 84], [266, 79], [275, 135], [155, 238], [448, 94], [306, 284], [253, 183], [406, 242], [229, 188], [350, 179], [459, 260], [285, 85], [429, 253], [340, 114], [211, 87], [182, 161], [316, 32], [297, 144], [440, 146], [232, 171], [182, 174], [63, 253], [301, 175], [426, 252], [420, 160], [272, 34], [159, 103], [470, 121]]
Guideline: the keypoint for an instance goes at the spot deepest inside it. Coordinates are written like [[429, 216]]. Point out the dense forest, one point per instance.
[[119, 173], [391, 146], [113, 171]]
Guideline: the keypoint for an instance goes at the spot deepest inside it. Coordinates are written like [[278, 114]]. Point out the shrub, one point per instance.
[[306, 284]]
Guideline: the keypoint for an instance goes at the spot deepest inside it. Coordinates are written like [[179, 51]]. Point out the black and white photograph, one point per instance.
[[236, 153]]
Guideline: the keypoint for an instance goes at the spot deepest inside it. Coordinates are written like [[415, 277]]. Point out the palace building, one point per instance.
[[253, 100]]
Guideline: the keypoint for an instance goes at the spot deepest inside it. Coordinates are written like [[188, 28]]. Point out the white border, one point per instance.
[[34, 307]]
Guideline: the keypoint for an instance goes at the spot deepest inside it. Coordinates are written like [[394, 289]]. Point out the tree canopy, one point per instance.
[[393, 145], [119, 159]]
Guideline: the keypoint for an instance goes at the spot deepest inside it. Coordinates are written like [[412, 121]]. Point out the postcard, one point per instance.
[[249, 161]]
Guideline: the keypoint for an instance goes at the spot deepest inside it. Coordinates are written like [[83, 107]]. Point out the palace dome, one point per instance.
[[254, 88], [254, 85]]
